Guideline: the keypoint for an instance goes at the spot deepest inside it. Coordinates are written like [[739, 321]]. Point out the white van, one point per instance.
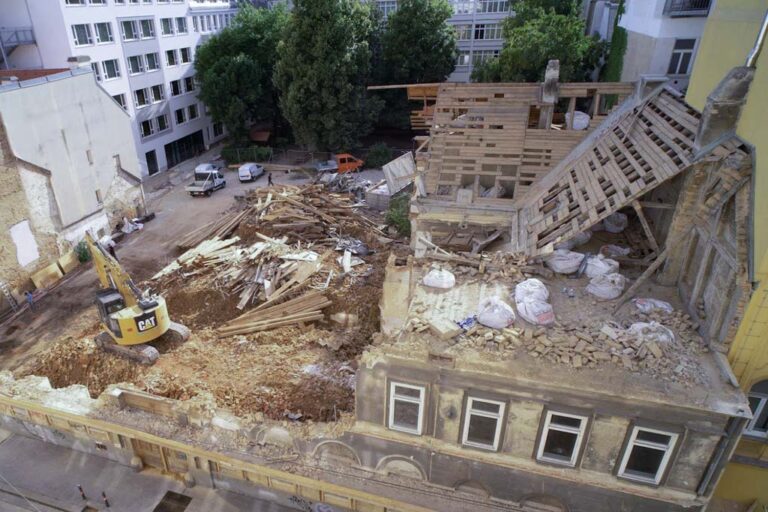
[[250, 171]]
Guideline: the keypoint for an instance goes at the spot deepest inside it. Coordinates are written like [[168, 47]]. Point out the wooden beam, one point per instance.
[[646, 226]]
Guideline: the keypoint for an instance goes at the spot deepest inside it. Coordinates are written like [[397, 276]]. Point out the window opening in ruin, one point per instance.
[[561, 438], [758, 403], [482, 423], [406, 408], [647, 455]]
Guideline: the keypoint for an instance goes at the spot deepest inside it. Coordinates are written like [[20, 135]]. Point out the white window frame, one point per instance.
[[762, 404], [181, 22], [74, 3], [151, 28], [183, 115], [167, 123], [668, 451], [548, 425], [117, 69], [97, 2], [109, 32], [147, 97], [188, 79], [181, 55], [152, 93], [88, 34], [181, 87], [404, 398], [157, 62], [140, 60], [190, 109], [121, 101], [151, 128], [163, 27], [96, 70], [175, 54], [681, 54], [136, 33], [469, 411]]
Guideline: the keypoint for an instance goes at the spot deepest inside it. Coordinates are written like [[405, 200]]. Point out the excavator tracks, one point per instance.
[[142, 353]]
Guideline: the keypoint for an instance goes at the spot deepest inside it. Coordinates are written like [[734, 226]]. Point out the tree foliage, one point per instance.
[[235, 67], [419, 44], [323, 66], [542, 30]]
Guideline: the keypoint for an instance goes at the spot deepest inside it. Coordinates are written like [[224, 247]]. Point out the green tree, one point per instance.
[[235, 67], [323, 66], [419, 44], [542, 30]]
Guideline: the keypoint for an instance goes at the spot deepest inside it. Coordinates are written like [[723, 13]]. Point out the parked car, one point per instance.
[[250, 171], [341, 163], [207, 179]]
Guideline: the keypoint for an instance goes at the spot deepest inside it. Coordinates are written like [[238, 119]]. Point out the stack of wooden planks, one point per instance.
[[304, 308]]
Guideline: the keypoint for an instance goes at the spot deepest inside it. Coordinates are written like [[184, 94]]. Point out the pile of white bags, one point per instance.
[[651, 305], [564, 261], [615, 222], [600, 265], [439, 278], [575, 241], [612, 250], [531, 300], [608, 286], [495, 313], [652, 331]]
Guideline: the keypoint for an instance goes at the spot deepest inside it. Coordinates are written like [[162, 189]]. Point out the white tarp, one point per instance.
[[26, 246], [399, 172]]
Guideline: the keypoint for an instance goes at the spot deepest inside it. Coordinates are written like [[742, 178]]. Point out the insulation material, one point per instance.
[[26, 246], [399, 172]]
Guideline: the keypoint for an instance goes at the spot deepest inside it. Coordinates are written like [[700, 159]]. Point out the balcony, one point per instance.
[[11, 37], [687, 8]]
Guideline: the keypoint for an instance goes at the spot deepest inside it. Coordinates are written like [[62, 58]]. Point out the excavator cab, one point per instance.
[[109, 301]]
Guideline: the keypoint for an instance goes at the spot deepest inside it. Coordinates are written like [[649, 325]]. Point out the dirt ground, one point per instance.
[[290, 371]]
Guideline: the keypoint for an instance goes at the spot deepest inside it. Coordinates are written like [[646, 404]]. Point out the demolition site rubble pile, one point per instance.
[[281, 297]]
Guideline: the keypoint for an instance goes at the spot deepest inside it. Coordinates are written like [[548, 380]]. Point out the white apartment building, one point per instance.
[[478, 31], [662, 38], [142, 54]]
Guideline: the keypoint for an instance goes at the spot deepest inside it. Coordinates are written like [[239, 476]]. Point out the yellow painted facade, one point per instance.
[[728, 37]]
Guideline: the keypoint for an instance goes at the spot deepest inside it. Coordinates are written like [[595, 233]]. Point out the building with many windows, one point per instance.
[[142, 53], [663, 37], [478, 31]]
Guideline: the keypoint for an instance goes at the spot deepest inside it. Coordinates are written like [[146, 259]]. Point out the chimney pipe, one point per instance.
[[755, 52]]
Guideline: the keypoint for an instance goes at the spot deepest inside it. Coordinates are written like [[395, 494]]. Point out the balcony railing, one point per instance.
[[15, 36], [677, 8]]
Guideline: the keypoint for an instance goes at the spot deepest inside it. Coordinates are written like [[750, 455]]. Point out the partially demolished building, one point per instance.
[[583, 414]]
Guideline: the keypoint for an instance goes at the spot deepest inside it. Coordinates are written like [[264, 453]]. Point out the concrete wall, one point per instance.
[[512, 473]]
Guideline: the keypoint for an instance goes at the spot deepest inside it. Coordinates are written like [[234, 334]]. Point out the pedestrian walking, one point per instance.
[[107, 243], [30, 299], [82, 492], [104, 497], [269, 179]]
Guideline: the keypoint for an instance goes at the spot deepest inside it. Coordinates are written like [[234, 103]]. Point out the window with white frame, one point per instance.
[[487, 31], [130, 29], [82, 34], [141, 98], [98, 2], [166, 26], [147, 28], [218, 129], [171, 58], [176, 88], [492, 6], [146, 128], [103, 32], [147, 1], [153, 61], [387, 7], [75, 2], [480, 56], [462, 59], [119, 2], [406, 401], [561, 438], [758, 403], [96, 71], [203, 24], [189, 84], [181, 25], [482, 423], [682, 54], [462, 6], [135, 64], [463, 32], [162, 123], [163, 1], [193, 112], [180, 116], [158, 93], [195, 26], [185, 55], [120, 99], [133, 2], [111, 69], [647, 455]]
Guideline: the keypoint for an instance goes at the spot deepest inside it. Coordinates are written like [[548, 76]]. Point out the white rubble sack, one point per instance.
[[575, 241], [616, 222], [608, 286], [564, 261], [439, 278], [531, 289], [495, 313], [652, 331], [651, 305], [531, 300], [600, 265], [580, 120], [612, 250]]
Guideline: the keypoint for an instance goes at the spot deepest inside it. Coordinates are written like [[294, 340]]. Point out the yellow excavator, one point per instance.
[[130, 318]]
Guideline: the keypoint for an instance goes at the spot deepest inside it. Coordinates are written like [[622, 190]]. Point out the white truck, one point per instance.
[[207, 179]]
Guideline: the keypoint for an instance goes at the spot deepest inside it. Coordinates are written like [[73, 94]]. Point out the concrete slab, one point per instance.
[[48, 476]]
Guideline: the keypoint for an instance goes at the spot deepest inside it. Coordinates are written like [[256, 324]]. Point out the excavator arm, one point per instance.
[[111, 273]]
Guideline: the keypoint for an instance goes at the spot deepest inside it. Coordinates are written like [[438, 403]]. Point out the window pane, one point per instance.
[[760, 423], [482, 430], [410, 392], [685, 44], [673, 63], [653, 437], [644, 461], [560, 445], [685, 62], [406, 414], [566, 421], [485, 406]]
